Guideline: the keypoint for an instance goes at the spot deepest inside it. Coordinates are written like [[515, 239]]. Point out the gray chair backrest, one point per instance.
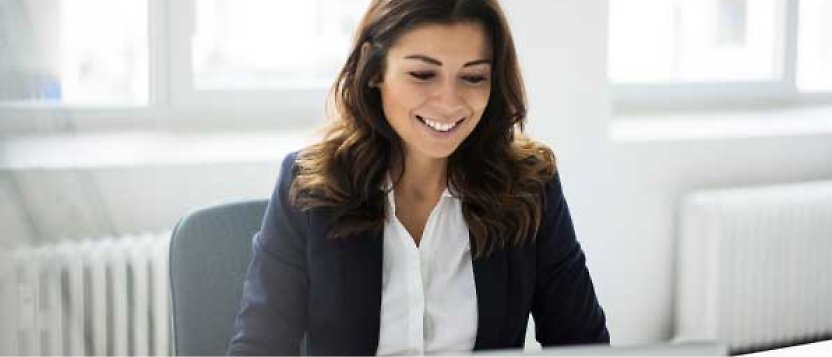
[[209, 257]]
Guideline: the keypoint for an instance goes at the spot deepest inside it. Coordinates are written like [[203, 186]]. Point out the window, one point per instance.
[[667, 41], [258, 43], [814, 69], [204, 60], [272, 55], [79, 52], [713, 52]]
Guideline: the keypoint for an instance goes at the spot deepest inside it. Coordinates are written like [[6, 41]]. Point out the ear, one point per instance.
[[365, 48], [376, 80]]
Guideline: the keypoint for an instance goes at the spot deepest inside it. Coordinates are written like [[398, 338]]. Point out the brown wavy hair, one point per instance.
[[497, 172]]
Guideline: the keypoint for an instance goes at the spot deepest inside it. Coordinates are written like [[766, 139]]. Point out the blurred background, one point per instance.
[[694, 140]]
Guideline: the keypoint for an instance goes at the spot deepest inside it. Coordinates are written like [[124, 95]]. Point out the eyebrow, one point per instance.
[[434, 61]]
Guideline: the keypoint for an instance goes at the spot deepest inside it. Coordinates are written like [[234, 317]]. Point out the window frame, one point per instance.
[[679, 96], [173, 102], [295, 104], [74, 116]]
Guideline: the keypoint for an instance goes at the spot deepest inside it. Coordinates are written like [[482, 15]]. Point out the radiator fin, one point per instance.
[[100, 297], [754, 266]]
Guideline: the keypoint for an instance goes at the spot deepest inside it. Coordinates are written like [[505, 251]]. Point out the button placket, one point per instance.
[[417, 307]]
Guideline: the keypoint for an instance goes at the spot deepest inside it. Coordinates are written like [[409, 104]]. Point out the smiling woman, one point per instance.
[[425, 221], [433, 93]]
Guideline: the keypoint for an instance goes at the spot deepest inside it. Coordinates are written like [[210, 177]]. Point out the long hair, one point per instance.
[[497, 172]]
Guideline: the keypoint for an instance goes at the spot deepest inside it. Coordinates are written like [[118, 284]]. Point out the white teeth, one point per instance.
[[439, 126]]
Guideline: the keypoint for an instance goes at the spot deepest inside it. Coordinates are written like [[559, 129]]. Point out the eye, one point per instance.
[[422, 76], [474, 79]]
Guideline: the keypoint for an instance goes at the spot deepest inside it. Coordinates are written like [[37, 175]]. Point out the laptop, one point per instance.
[[689, 348]]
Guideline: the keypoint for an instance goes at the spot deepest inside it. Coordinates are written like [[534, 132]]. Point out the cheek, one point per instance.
[[478, 99], [401, 98]]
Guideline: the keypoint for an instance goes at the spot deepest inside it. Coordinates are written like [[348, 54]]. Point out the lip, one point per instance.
[[441, 121], [440, 134]]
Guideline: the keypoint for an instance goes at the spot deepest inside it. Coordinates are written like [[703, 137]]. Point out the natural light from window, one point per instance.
[[815, 46], [268, 44], [78, 52], [671, 41]]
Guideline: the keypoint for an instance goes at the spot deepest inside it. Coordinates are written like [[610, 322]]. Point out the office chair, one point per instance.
[[209, 256]]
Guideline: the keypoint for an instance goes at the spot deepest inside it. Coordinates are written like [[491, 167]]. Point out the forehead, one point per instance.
[[446, 42]]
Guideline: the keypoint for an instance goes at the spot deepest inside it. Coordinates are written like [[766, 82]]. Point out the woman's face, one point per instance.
[[436, 85]]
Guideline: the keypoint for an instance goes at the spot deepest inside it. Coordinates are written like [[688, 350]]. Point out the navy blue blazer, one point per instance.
[[300, 282]]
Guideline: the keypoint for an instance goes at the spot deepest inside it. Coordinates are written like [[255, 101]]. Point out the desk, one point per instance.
[[822, 348]]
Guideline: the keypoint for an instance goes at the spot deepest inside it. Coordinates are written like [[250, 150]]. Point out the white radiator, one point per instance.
[[101, 297], [755, 266]]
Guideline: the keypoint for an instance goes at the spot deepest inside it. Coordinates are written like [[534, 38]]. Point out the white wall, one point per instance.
[[623, 195]]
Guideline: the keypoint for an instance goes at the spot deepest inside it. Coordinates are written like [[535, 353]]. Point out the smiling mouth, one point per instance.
[[439, 126]]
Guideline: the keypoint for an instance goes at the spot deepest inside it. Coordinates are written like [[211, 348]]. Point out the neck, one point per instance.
[[424, 178]]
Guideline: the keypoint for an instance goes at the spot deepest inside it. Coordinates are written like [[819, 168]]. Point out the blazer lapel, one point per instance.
[[490, 278], [362, 264]]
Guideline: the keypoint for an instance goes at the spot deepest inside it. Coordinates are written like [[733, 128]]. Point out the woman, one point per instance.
[[424, 221]]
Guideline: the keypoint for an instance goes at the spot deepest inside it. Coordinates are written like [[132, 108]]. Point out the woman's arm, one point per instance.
[[272, 316], [565, 308]]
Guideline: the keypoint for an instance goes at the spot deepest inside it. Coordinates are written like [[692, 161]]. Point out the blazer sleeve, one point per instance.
[[565, 308], [272, 315]]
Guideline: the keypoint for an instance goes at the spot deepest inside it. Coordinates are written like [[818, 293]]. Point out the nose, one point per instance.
[[449, 98]]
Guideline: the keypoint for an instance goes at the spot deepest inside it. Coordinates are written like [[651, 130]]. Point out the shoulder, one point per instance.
[[290, 167], [554, 189]]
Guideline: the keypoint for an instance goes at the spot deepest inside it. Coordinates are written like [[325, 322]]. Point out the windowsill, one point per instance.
[[701, 126], [136, 149]]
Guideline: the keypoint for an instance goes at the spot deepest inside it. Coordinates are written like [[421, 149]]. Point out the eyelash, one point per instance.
[[423, 76]]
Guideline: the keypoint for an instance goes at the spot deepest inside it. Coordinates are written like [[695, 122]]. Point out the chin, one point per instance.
[[435, 153]]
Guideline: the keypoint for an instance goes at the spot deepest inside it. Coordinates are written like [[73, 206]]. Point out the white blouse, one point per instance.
[[428, 300]]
